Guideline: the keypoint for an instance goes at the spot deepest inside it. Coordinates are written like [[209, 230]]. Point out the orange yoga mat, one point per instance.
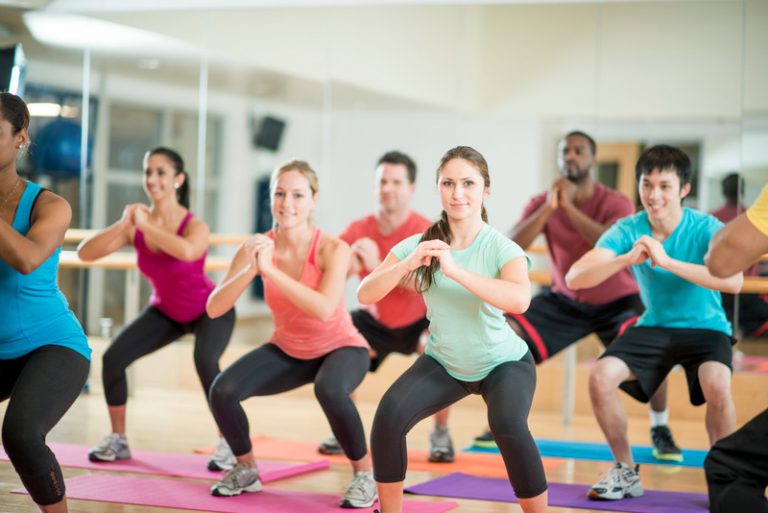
[[476, 464]]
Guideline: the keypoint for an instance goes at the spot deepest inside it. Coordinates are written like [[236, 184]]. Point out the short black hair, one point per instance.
[[733, 186], [665, 158], [397, 157], [579, 133]]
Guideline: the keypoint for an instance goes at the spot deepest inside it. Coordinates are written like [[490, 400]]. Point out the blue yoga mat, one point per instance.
[[601, 452]]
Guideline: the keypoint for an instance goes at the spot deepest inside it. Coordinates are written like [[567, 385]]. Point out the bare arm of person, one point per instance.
[[109, 239], [735, 247], [49, 222], [323, 302]]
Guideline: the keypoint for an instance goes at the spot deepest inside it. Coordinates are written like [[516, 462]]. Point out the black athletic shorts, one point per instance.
[[650, 353], [385, 340], [554, 321]]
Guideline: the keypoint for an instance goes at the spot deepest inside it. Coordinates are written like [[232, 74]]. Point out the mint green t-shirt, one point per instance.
[[468, 336]]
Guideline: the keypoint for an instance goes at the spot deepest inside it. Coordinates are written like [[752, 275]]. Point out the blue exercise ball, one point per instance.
[[56, 148]]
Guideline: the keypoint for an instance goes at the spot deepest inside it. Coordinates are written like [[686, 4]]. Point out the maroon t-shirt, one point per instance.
[[400, 307], [565, 244]]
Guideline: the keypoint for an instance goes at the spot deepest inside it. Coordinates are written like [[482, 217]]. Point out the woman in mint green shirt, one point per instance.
[[469, 274]]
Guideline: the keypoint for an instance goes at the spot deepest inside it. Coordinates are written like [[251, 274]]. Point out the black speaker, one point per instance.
[[269, 133], [12, 69]]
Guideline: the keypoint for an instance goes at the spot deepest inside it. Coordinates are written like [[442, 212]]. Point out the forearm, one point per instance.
[[310, 301], [22, 254], [735, 247], [512, 297], [106, 241], [586, 274], [380, 283], [700, 275], [589, 229], [170, 243], [224, 297], [528, 229]]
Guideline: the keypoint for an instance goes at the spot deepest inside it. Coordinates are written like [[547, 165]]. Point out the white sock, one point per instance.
[[659, 418]]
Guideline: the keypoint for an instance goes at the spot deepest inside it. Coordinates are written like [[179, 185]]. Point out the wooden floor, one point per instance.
[[168, 413]]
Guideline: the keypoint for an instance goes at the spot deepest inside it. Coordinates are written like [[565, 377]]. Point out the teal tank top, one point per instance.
[[33, 311]]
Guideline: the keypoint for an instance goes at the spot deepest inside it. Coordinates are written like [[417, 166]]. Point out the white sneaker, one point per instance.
[[112, 447], [222, 458], [238, 480], [619, 482], [360, 492]]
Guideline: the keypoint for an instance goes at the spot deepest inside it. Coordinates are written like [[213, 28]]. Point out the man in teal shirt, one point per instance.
[[684, 322]]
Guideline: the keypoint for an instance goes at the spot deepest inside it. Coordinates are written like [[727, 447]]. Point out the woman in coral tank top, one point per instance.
[[304, 270]]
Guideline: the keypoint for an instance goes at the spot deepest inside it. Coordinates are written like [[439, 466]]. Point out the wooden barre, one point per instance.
[[126, 261], [77, 235]]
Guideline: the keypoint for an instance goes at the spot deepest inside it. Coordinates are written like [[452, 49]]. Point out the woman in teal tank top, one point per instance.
[[469, 275], [44, 354]]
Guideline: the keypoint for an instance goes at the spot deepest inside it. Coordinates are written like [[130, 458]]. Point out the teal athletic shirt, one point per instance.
[[33, 311], [671, 301], [468, 336]]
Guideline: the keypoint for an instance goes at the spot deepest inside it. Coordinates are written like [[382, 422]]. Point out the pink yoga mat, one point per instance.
[[169, 464], [171, 493]]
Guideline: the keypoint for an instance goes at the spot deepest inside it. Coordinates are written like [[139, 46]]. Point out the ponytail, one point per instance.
[[182, 193]]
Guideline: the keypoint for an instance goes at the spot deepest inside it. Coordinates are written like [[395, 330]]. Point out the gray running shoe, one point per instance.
[[360, 492], [619, 482], [238, 480], [112, 447], [222, 458], [440, 446], [330, 446]]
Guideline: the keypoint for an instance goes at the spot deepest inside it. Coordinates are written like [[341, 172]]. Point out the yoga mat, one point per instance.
[[487, 465], [169, 464], [172, 493], [462, 486], [601, 452]]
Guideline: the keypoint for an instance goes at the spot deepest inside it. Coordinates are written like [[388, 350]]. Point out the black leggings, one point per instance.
[[426, 388], [42, 385], [268, 371], [152, 330], [737, 469]]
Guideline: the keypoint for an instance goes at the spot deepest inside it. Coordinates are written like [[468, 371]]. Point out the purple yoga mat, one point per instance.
[[463, 486], [171, 464], [173, 493]]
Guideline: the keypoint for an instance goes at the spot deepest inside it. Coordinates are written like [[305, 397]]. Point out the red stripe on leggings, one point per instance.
[[531, 331], [761, 330], [627, 324]]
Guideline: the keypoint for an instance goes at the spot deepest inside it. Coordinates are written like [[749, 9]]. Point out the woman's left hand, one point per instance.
[[447, 263], [265, 250]]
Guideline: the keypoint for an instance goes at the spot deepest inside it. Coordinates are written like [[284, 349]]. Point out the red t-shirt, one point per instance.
[[400, 307], [565, 245]]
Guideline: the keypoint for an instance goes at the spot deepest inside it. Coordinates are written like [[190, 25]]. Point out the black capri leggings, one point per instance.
[[426, 388], [152, 330], [268, 371], [42, 385]]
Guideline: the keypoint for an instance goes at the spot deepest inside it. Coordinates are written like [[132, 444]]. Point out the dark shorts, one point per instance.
[[553, 321], [385, 340], [650, 353]]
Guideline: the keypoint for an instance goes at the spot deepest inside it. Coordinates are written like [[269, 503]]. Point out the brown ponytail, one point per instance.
[[441, 230]]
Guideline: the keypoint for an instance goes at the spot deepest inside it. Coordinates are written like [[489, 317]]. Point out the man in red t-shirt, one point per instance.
[[572, 215], [396, 323]]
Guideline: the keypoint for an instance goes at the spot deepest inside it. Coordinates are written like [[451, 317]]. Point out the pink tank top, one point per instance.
[[179, 289], [301, 335]]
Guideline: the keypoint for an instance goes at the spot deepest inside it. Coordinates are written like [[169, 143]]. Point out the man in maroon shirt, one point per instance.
[[572, 215], [396, 323]]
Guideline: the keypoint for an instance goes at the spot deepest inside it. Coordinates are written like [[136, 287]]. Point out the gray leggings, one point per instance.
[[426, 388], [268, 371], [153, 330]]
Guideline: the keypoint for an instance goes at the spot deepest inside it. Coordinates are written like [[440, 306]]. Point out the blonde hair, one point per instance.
[[295, 165]]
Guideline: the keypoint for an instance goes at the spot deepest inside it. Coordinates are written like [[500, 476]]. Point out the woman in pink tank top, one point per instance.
[[314, 341], [171, 245]]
